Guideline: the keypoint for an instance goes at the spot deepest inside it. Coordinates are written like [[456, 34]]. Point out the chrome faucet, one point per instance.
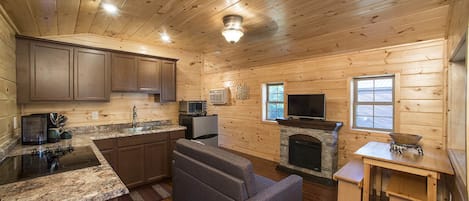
[[134, 117]]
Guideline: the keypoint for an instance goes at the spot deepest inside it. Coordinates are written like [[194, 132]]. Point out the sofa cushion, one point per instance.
[[189, 188], [224, 161], [263, 183], [207, 176]]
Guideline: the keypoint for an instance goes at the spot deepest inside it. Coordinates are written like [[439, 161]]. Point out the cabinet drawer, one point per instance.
[[141, 139], [105, 144], [178, 134]]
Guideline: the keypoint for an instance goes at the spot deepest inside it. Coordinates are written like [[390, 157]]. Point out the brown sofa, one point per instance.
[[208, 173]]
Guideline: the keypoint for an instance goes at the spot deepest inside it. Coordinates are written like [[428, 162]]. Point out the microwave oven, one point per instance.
[[193, 107]]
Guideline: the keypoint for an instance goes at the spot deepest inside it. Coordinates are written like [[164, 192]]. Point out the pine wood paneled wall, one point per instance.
[[420, 94], [458, 138], [119, 109], [456, 106], [8, 107]]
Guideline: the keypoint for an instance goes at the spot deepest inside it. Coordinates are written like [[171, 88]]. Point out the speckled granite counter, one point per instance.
[[92, 183]]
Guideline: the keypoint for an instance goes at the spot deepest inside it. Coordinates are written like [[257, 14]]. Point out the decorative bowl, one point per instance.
[[405, 139]]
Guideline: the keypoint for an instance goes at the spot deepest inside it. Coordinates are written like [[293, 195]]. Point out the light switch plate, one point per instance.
[[15, 123], [95, 115]]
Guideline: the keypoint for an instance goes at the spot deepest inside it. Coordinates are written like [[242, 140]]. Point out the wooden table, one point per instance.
[[431, 165]]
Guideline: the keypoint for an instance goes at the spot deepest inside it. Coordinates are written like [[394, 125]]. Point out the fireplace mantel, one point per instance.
[[314, 124]]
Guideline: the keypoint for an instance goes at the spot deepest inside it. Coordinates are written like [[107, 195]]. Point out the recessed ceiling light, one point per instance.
[[165, 38], [112, 9]]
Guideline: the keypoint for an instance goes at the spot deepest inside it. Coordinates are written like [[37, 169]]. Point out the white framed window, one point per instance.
[[373, 103], [273, 101]]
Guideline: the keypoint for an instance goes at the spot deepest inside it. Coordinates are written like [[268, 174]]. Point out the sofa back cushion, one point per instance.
[[215, 161], [193, 180]]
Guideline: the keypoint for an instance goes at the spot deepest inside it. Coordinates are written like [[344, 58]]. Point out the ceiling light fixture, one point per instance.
[[233, 30], [165, 38], [112, 9]]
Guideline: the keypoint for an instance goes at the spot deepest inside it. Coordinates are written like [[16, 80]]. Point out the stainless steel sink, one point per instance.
[[137, 129], [158, 127]]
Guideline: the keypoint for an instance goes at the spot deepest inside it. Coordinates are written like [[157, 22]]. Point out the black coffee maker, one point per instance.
[[34, 128]]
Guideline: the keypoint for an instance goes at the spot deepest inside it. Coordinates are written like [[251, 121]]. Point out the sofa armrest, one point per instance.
[[289, 189]]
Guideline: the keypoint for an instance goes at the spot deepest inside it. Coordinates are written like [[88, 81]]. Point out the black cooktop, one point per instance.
[[46, 162]]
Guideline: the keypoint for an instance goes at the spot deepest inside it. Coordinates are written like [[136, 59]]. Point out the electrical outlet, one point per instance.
[[15, 123], [95, 115]]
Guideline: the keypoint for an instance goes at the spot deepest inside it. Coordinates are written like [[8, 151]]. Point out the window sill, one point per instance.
[[371, 131], [271, 122]]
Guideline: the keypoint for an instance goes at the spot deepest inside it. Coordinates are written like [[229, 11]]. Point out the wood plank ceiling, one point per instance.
[[276, 30]]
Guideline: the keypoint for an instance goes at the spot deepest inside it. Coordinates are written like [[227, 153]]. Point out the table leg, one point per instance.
[[431, 188], [378, 181], [366, 182]]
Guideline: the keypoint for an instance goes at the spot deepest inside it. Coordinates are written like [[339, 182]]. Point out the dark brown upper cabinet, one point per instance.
[[135, 74], [23, 74], [168, 81], [124, 73], [92, 72], [51, 72], [149, 74]]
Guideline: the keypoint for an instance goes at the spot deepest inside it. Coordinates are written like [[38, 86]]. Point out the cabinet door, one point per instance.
[[174, 136], [131, 165], [108, 148], [111, 157], [168, 81], [124, 73], [156, 161], [149, 71], [51, 72], [92, 75], [23, 67]]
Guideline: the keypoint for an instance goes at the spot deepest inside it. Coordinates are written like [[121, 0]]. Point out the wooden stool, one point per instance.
[[350, 178]]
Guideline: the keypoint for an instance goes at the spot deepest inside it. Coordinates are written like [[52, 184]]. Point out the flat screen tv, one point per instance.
[[311, 106]]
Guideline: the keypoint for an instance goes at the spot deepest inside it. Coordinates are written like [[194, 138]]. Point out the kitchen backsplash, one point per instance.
[[117, 110], [113, 127]]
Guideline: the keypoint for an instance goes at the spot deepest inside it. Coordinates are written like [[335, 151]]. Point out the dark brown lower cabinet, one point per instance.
[[174, 136], [156, 157], [111, 157], [108, 148], [140, 159], [132, 165]]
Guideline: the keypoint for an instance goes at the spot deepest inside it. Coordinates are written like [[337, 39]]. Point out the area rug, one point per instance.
[[156, 192]]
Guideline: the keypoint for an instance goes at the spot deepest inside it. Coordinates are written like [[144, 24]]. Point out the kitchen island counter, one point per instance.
[[92, 183]]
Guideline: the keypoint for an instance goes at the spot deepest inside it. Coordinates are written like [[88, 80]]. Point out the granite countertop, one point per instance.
[[92, 183]]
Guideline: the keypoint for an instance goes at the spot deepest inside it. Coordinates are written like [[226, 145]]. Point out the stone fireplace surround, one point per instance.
[[325, 131]]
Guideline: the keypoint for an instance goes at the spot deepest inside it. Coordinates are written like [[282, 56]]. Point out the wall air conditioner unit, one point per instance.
[[219, 96]]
